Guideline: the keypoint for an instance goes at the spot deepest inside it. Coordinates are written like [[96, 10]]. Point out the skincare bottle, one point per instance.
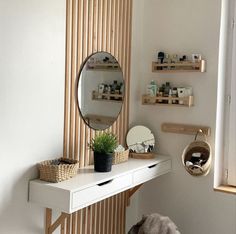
[[115, 84], [170, 96], [158, 90], [153, 88], [161, 92], [121, 89], [109, 92], [174, 95], [117, 91], [167, 89], [100, 90], [181, 94], [166, 60], [160, 57]]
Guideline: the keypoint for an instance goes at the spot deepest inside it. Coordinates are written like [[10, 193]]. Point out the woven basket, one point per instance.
[[52, 172], [202, 147], [119, 157]]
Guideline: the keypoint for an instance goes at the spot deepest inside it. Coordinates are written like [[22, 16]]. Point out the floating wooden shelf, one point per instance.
[[104, 66], [168, 101], [107, 97], [179, 67]]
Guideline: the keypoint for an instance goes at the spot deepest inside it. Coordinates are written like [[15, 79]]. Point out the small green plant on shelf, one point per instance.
[[103, 146], [104, 143]]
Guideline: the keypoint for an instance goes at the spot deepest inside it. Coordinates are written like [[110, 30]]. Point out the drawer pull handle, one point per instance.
[[104, 183], [152, 166]]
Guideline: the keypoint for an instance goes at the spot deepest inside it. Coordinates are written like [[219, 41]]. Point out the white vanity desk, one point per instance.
[[89, 187]]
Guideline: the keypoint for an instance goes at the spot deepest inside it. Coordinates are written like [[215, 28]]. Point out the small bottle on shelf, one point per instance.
[[167, 89], [109, 92], [161, 94], [170, 96], [166, 60], [117, 91], [174, 95]]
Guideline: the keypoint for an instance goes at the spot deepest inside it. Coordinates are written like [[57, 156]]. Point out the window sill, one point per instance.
[[226, 189]]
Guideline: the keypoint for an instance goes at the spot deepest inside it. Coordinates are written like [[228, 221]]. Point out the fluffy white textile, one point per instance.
[[154, 224]]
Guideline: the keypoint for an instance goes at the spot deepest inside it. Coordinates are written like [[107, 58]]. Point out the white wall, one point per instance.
[[31, 107], [32, 58], [175, 26]]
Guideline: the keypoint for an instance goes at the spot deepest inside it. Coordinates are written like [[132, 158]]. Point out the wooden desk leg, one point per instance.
[[131, 193], [51, 227], [48, 219]]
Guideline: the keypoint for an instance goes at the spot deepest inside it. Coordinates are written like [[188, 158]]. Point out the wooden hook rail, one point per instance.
[[185, 129]]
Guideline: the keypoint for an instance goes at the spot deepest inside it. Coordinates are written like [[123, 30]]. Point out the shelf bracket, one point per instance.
[[51, 227], [131, 192]]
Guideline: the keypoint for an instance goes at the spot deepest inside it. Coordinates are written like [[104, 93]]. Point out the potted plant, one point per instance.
[[103, 146]]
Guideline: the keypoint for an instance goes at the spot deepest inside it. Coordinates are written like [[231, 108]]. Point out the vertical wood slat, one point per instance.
[[128, 63], [90, 51], [114, 215], [122, 213], [67, 76], [73, 78], [123, 55], [95, 25], [116, 48], [108, 26], [68, 225], [79, 218], [78, 121], [74, 223], [94, 31], [48, 220], [84, 220], [63, 227], [98, 223], [110, 215], [99, 26], [107, 218], [93, 220]]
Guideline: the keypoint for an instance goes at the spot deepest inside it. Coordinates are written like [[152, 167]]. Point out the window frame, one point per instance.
[[227, 56]]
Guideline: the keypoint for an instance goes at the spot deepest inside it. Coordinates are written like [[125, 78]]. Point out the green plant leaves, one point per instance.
[[104, 143]]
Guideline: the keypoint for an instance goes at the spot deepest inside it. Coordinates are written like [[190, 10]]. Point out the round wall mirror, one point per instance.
[[140, 139], [100, 90]]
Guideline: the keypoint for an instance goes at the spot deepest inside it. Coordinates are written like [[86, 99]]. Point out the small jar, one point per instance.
[[174, 95]]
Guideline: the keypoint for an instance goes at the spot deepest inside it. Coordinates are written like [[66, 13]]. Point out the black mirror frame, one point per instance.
[[77, 86]]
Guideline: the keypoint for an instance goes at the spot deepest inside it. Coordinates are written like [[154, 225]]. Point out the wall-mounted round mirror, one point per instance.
[[100, 90], [140, 140]]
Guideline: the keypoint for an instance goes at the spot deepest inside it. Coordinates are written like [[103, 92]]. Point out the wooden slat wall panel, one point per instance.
[[95, 25]]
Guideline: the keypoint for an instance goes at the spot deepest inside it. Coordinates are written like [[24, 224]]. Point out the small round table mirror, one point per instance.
[[140, 140], [100, 90]]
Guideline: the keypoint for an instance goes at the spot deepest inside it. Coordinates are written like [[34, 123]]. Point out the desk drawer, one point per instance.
[[101, 191], [148, 173]]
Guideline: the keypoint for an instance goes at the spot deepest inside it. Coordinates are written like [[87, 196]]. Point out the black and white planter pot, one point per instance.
[[102, 162]]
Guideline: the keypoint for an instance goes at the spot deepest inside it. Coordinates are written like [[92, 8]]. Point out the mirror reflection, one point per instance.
[[140, 139], [100, 90]]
